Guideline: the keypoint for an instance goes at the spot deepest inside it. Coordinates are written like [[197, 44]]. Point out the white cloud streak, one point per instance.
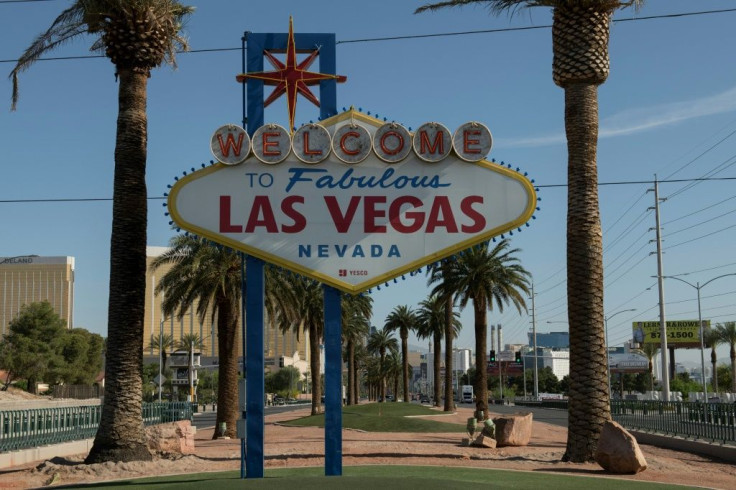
[[642, 119]]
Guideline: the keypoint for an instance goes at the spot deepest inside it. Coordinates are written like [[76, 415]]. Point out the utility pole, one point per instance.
[[660, 281], [534, 341]]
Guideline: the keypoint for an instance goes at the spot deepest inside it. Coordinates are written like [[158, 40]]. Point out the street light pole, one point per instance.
[[160, 356], [608, 360], [698, 287]]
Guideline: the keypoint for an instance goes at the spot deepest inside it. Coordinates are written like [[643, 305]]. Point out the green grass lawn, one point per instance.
[[387, 477], [383, 417]]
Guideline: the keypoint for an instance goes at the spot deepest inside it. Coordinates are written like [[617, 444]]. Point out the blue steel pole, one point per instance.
[[255, 399], [242, 318], [333, 383]]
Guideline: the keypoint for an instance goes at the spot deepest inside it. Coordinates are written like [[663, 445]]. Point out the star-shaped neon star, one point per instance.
[[290, 78]]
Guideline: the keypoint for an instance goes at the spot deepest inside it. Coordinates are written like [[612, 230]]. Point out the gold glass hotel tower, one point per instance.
[[29, 278], [276, 343]]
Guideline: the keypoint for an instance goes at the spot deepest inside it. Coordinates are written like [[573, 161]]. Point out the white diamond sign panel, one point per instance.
[[353, 225]]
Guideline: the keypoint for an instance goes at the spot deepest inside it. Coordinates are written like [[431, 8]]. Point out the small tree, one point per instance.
[[33, 346]]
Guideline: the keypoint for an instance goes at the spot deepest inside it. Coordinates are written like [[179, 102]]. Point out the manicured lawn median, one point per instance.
[[372, 477], [384, 417]]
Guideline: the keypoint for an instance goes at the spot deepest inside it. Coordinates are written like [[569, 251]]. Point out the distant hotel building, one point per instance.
[[28, 279], [276, 344]]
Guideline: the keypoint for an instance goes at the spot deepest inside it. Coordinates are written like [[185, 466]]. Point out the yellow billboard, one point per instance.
[[680, 333]]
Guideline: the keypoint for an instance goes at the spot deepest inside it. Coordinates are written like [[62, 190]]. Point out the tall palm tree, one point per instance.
[[393, 371], [190, 342], [355, 328], [405, 320], [650, 350], [381, 342], [486, 277], [306, 314], [727, 334], [431, 316], [580, 34], [712, 340], [436, 275], [137, 36], [208, 277]]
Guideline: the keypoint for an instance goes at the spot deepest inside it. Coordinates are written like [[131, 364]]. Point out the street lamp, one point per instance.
[[608, 361], [698, 287]]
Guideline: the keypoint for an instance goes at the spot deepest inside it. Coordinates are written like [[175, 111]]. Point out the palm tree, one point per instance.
[[355, 329], [436, 275], [393, 370], [137, 36], [208, 277], [306, 314], [580, 34], [405, 320], [381, 342], [190, 342], [712, 340], [161, 343], [727, 334], [650, 350], [431, 316], [486, 277]]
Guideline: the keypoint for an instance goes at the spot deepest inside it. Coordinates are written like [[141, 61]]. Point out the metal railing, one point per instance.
[[21, 429], [714, 422]]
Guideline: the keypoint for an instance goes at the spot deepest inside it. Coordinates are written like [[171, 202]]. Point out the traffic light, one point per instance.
[[518, 357], [492, 357]]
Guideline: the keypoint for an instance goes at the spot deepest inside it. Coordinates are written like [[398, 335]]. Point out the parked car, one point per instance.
[[424, 399], [278, 400]]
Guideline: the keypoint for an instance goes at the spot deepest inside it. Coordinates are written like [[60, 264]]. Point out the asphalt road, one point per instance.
[[548, 415], [207, 419]]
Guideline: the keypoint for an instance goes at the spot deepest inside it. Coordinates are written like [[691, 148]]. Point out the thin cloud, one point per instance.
[[642, 119]]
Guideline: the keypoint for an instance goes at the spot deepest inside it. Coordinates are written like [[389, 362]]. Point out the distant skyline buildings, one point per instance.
[[28, 279], [552, 340]]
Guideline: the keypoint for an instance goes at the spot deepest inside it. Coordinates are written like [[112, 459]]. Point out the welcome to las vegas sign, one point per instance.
[[354, 201]]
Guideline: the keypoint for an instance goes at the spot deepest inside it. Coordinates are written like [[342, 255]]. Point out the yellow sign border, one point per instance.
[[324, 278]]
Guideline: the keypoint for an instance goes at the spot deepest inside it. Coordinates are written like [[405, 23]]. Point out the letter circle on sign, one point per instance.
[[271, 144], [392, 142], [230, 144], [311, 143], [432, 142], [351, 143], [472, 141]]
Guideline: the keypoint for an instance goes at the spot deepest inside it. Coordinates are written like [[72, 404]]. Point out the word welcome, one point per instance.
[[351, 143]]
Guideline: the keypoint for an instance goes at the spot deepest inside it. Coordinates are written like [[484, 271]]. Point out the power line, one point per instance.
[[699, 210], [701, 237], [25, 1], [700, 223], [408, 37]]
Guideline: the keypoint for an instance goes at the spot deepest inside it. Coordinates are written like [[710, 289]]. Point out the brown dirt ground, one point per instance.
[[293, 447]]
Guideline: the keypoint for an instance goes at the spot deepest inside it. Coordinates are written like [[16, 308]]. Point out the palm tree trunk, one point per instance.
[[314, 367], [356, 380], [589, 406], [481, 365], [437, 369], [227, 384], [120, 436], [405, 363], [713, 362], [383, 376], [449, 400], [351, 373], [733, 368]]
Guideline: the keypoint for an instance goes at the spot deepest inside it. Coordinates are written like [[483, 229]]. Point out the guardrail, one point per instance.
[[714, 422], [21, 429]]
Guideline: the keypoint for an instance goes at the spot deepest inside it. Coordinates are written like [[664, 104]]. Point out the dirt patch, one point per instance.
[[304, 446]]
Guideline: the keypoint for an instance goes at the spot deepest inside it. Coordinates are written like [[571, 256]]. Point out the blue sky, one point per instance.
[[668, 108]]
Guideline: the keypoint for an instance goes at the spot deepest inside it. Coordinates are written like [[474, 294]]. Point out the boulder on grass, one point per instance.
[[513, 430], [171, 438], [618, 451]]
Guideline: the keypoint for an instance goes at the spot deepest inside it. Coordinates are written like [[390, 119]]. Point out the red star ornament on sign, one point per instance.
[[290, 78]]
